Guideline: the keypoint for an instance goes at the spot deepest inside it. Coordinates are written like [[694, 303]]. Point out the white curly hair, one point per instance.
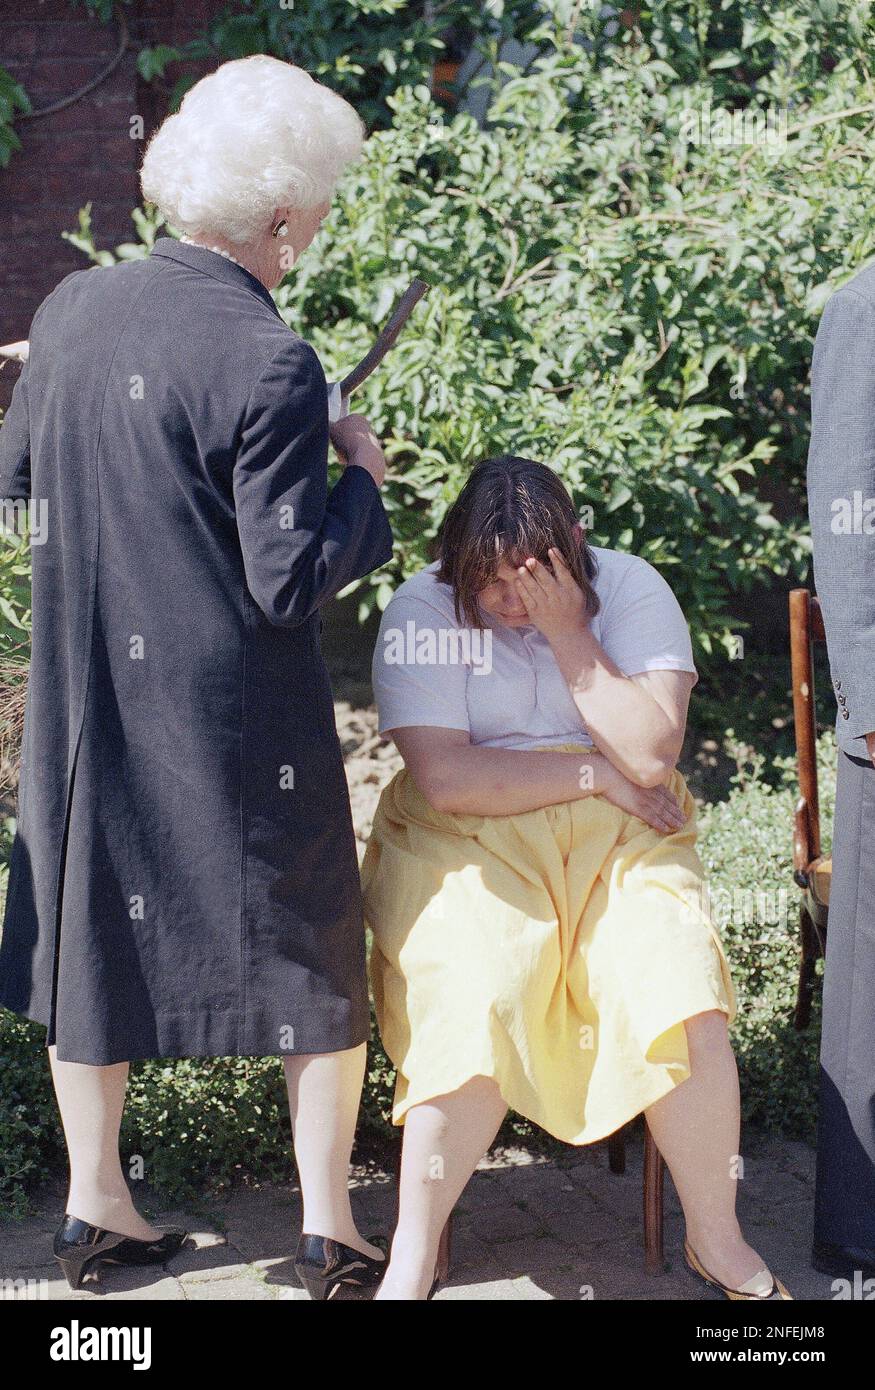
[[252, 136]]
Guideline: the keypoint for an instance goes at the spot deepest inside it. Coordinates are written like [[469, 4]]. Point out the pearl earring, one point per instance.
[[281, 228]]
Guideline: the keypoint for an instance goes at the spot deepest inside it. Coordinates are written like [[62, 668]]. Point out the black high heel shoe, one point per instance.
[[323, 1264], [79, 1246]]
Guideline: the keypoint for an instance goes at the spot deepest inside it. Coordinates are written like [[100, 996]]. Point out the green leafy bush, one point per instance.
[[629, 303], [31, 1140], [190, 1126], [746, 846], [364, 49], [13, 99]]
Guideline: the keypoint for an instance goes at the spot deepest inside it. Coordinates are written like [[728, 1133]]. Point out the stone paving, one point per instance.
[[525, 1228]]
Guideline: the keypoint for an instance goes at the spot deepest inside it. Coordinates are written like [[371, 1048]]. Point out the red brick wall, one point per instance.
[[79, 154]]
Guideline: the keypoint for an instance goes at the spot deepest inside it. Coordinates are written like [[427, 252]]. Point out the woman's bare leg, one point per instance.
[[444, 1140], [324, 1094], [696, 1128], [91, 1101]]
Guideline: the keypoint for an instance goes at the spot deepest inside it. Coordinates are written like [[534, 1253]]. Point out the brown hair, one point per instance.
[[509, 508]]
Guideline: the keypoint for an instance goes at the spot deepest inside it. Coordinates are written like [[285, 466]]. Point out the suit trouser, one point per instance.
[[844, 1208]]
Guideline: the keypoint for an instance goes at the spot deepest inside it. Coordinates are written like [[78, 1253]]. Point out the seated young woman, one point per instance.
[[541, 939]]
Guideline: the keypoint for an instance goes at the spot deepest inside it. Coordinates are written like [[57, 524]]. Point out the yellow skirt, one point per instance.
[[557, 951]]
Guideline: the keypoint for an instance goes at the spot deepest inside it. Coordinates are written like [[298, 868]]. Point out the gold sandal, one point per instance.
[[777, 1290]]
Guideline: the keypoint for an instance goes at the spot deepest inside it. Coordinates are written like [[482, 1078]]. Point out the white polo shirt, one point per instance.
[[502, 684]]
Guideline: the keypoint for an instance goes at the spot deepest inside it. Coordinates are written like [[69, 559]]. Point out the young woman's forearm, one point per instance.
[[477, 781], [625, 723]]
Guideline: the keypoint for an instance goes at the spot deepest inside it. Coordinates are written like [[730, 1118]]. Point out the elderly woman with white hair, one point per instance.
[[184, 880]]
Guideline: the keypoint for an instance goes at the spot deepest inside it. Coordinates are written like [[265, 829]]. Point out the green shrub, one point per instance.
[[190, 1126], [31, 1140], [364, 49], [632, 305], [746, 845]]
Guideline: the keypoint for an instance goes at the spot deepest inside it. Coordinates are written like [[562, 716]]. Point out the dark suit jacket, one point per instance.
[[184, 878], [841, 482]]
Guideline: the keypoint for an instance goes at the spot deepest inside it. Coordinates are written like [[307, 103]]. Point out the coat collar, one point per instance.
[[214, 265]]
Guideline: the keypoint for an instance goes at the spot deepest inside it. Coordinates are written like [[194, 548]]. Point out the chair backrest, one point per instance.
[[806, 628]]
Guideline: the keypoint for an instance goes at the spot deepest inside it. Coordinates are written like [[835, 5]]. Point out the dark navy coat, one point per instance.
[[184, 879]]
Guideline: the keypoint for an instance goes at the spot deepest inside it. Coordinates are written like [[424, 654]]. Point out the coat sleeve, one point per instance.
[[15, 443], [300, 543], [841, 462]]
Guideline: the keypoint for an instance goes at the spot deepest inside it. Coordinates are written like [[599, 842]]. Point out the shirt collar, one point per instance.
[[214, 265]]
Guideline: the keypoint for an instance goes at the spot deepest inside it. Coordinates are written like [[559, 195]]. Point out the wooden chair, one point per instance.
[[811, 870], [653, 1187]]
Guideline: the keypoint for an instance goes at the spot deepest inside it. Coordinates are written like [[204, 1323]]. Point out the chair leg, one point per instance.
[[617, 1152], [442, 1264], [654, 1176], [809, 943]]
